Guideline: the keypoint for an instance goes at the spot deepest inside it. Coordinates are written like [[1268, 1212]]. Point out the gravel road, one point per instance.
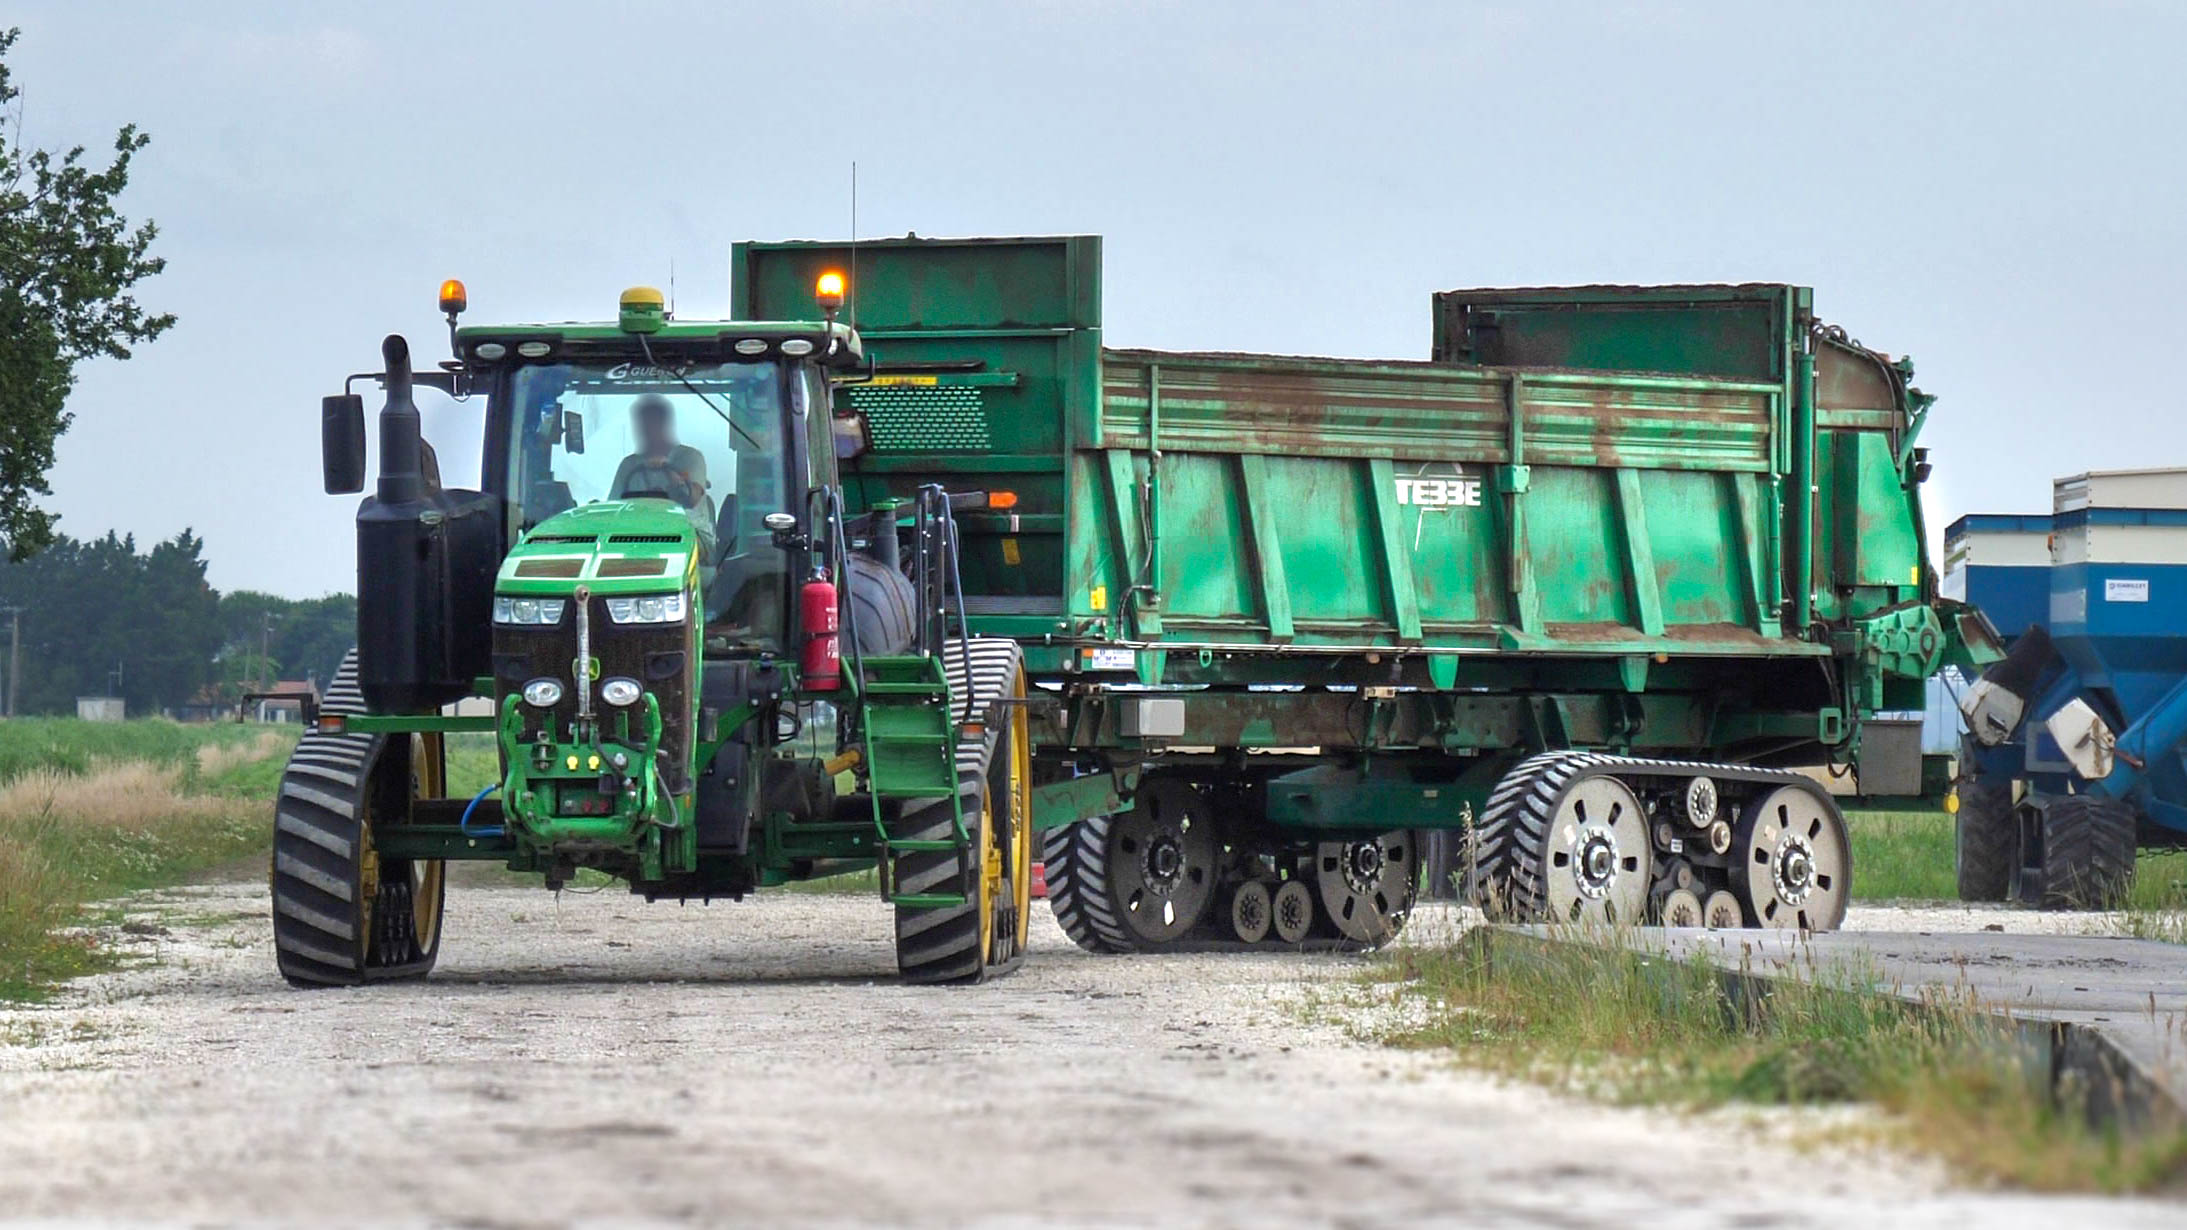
[[594, 1060]]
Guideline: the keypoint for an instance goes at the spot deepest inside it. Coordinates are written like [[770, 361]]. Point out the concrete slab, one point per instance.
[[2112, 1010]]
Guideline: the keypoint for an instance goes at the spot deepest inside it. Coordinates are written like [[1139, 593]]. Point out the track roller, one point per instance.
[[1293, 906], [1722, 912], [1681, 908], [1251, 912]]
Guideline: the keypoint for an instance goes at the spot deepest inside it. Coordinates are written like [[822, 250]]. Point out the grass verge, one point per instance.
[[1908, 856], [95, 810], [1625, 1027]]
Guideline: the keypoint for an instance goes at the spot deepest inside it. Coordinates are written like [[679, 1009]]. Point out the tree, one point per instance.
[[306, 637], [100, 616], [68, 259]]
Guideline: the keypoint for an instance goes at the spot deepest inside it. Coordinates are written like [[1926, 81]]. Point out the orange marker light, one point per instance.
[[453, 298], [1002, 499], [829, 290]]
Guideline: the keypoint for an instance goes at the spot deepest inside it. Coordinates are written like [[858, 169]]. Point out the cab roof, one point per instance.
[[834, 344]]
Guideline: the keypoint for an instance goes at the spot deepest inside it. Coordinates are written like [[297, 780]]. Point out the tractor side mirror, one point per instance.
[[342, 443], [573, 432]]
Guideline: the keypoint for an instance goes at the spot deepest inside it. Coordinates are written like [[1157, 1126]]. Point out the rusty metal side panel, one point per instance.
[[1261, 501]]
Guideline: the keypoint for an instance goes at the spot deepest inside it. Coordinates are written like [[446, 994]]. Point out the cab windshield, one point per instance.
[[705, 439]]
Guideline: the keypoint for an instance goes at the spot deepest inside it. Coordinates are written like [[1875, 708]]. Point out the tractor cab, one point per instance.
[[724, 427]]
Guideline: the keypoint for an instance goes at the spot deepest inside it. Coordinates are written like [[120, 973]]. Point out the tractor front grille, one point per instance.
[[656, 655]]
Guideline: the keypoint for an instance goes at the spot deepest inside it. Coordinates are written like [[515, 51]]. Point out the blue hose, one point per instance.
[[464, 825]]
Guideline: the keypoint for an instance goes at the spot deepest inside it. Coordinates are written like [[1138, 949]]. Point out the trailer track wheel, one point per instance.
[[1367, 884], [981, 934], [342, 915], [1794, 866]]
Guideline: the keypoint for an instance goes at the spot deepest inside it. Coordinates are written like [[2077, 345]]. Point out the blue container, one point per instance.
[[2000, 562], [2112, 593]]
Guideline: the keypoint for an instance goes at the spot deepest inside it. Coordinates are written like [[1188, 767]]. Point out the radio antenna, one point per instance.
[[854, 247], [671, 288]]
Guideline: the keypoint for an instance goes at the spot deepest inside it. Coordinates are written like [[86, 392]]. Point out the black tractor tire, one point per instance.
[[956, 943], [884, 608], [1077, 862], [341, 914], [2079, 856], [1986, 840]]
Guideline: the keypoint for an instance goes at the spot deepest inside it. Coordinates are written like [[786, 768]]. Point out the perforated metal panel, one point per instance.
[[923, 418]]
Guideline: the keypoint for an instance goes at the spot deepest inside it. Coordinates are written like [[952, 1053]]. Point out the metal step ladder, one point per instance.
[[912, 753]]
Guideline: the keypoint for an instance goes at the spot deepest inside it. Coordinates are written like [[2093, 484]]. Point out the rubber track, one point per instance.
[[1985, 841], [942, 944], [1077, 861], [2087, 853], [1514, 828], [316, 835]]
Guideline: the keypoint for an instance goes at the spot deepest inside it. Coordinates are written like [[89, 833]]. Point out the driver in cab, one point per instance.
[[664, 469]]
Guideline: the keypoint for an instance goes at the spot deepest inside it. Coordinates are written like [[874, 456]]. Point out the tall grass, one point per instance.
[[70, 745], [1605, 1020], [1902, 856], [113, 808]]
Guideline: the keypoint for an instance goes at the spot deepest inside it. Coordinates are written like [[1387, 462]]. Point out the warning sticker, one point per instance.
[[2122, 589]]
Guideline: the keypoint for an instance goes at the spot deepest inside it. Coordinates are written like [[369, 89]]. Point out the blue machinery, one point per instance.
[[2073, 756]]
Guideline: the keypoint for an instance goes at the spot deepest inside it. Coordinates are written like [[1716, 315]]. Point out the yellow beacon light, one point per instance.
[[453, 298], [829, 290]]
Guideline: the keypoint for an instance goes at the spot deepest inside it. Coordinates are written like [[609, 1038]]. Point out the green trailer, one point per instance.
[[1587, 587]]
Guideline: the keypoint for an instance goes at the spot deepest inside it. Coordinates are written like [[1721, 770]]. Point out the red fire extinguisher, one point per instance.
[[822, 662]]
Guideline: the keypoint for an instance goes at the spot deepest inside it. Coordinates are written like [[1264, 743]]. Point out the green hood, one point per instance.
[[615, 547]]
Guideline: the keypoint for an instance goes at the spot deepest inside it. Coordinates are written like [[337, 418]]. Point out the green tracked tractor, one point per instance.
[[700, 677]]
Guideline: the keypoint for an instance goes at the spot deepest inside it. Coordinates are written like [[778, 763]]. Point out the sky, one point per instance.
[[1993, 189]]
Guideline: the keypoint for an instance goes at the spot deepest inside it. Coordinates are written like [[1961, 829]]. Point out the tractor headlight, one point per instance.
[[620, 692], [529, 612], [651, 609], [543, 693]]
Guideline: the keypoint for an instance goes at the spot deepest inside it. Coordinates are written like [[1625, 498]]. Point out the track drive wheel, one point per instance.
[[343, 915], [983, 935], [2077, 853], [1139, 880], [1563, 841]]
